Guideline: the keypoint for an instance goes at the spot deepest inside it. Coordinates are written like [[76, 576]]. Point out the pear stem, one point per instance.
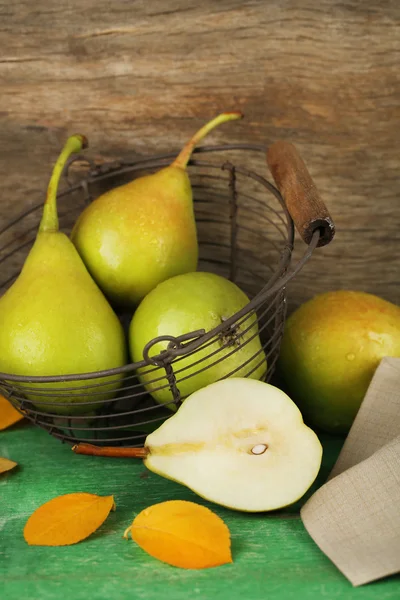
[[91, 450], [74, 144], [182, 159]]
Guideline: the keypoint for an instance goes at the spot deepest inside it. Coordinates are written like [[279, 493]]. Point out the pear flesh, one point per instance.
[[240, 443], [139, 234], [54, 320], [190, 302]]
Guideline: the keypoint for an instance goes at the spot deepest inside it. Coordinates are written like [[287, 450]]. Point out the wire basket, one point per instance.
[[246, 233]]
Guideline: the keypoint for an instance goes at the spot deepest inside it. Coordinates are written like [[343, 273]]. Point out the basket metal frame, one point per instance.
[[73, 427]]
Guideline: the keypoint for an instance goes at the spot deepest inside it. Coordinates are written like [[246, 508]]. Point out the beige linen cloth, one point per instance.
[[355, 517]]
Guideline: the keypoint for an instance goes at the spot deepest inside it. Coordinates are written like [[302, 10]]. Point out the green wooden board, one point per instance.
[[274, 557]]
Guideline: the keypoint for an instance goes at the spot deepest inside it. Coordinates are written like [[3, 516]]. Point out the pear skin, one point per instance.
[[191, 302], [330, 349], [139, 234], [54, 320]]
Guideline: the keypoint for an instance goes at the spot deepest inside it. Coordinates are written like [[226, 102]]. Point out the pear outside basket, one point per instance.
[[246, 233]]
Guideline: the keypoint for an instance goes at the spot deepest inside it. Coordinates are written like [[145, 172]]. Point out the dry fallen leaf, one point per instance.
[[6, 465], [67, 519], [182, 534], [8, 414]]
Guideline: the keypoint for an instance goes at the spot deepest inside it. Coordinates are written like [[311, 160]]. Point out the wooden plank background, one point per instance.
[[140, 76]]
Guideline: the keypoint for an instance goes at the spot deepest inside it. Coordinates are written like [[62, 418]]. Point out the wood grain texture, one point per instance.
[[139, 76], [273, 555]]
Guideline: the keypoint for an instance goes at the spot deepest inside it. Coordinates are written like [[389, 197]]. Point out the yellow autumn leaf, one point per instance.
[[6, 464], [182, 534], [8, 414], [67, 519]]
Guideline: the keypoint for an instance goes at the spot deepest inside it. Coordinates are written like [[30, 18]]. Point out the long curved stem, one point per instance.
[[74, 144], [184, 156]]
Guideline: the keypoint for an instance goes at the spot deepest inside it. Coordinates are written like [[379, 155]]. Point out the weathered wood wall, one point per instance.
[[141, 76]]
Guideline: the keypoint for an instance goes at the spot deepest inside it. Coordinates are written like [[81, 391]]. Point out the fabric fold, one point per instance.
[[355, 516]]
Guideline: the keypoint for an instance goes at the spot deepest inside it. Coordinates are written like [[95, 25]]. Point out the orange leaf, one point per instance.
[[8, 414], [67, 519], [6, 465], [182, 534]]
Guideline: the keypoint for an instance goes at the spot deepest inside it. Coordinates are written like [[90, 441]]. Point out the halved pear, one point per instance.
[[240, 443]]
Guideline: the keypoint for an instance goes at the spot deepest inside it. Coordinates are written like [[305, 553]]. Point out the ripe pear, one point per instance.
[[54, 320], [139, 234], [331, 347], [240, 443], [187, 303]]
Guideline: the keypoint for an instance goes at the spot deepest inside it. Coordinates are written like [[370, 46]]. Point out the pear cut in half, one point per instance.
[[240, 443]]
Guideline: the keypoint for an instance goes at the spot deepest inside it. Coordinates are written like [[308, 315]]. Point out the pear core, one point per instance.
[[240, 443]]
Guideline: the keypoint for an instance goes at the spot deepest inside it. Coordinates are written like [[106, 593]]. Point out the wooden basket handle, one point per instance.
[[299, 192]]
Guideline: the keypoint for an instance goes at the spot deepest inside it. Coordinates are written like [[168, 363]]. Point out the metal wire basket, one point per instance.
[[246, 233]]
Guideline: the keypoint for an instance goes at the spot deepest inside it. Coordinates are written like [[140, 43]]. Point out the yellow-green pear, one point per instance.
[[187, 303], [330, 350], [54, 320], [139, 234]]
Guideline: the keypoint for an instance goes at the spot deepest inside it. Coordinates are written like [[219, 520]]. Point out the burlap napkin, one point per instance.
[[355, 517]]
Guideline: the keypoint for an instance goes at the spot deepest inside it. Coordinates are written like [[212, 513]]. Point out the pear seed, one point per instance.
[[259, 449]]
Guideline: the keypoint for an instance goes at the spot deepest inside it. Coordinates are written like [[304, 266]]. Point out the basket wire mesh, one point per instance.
[[245, 234]]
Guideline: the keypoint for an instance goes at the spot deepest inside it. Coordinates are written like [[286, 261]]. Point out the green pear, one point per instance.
[[54, 320], [240, 443], [331, 347], [187, 303], [139, 234]]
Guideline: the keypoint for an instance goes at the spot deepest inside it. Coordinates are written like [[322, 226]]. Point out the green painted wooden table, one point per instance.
[[274, 557]]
